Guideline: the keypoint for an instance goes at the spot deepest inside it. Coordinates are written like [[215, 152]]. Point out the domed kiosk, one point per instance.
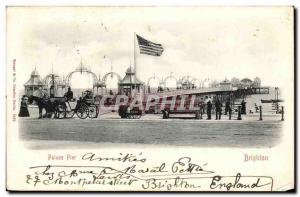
[[33, 84], [130, 82]]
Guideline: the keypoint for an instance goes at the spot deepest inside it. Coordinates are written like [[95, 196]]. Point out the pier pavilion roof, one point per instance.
[[130, 79], [225, 81], [34, 80]]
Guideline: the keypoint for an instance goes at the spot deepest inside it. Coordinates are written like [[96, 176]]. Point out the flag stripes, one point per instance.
[[152, 49], [149, 48], [150, 53]]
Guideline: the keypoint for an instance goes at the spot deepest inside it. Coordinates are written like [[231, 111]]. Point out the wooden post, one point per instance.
[[239, 113], [155, 109], [282, 113], [230, 114], [197, 115], [260, 112]]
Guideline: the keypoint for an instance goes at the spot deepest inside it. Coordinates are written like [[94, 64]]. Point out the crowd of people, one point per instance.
[[208, 105]]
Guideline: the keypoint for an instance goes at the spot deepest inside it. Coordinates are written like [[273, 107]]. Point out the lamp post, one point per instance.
[[52, 93], [276, 99]]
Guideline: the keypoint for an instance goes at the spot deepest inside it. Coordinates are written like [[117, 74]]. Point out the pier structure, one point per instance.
[[55, 85]]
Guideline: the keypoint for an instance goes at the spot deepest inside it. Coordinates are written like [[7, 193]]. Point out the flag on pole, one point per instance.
[[149, 48]]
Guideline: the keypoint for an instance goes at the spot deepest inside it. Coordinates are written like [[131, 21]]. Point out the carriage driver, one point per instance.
[[69, 94]]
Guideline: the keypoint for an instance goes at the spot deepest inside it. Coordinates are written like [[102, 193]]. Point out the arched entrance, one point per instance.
[[206, 83], [111, 81], [154, 83], [189, 82], [170, 82], [82, 70], [197, 83], [53, 85]]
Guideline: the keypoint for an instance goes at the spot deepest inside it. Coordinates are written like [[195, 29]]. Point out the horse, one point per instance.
[[43, 103]]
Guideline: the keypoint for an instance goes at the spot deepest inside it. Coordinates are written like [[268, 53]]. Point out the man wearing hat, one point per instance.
[[69, 94]]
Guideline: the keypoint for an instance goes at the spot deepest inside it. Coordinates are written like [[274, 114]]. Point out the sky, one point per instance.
[[203, 42]]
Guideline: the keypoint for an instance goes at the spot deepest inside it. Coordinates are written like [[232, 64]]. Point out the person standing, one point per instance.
[[201, 107], [243, 107], [227, 106], [218, 106], [208, 108], [24, 107], [256, 108]]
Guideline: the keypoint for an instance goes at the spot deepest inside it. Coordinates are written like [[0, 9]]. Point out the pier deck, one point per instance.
[[151, 130]]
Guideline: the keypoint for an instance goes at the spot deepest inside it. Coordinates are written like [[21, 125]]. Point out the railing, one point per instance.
[[191, 91]]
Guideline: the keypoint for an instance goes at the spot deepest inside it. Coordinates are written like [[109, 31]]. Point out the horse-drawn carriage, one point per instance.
[[61, 107], [85, 107]]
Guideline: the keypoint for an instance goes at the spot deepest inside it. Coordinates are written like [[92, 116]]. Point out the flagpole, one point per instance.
[[134, 61]]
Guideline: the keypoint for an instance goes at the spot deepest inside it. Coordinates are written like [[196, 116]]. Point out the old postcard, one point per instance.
[[150, 98]]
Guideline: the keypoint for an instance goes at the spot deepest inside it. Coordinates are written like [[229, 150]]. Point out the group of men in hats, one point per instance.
[[218, 107]]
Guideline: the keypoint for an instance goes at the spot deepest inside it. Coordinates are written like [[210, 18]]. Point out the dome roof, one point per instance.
[[130, 78], [246, 80], [34, 80], [226, 80], [129, 70], [34, 73]]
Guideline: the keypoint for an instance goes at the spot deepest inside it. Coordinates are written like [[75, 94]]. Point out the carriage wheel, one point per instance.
[[93, 111], [70, 114], [60, 111], [82, 111]]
